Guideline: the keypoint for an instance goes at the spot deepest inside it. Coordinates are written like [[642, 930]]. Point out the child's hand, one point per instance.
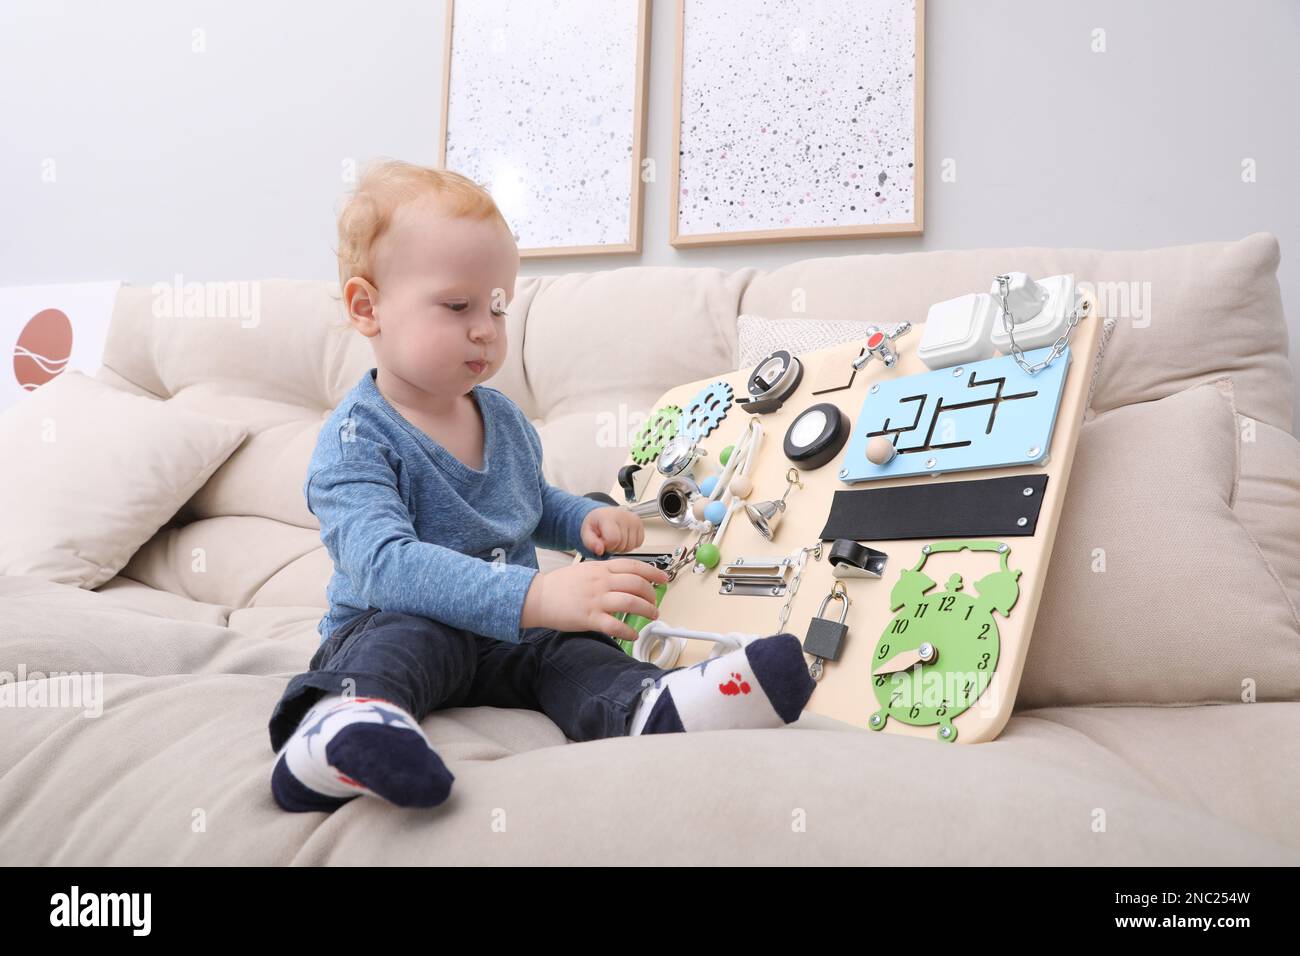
[[587, 595], [613, 530]]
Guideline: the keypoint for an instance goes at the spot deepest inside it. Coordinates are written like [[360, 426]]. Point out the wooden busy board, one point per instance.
[[845, 690]]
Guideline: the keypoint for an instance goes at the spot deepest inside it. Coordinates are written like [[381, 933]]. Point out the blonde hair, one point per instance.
[[385, 186]]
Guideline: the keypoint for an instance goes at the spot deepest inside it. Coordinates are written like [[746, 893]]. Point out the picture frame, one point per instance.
[[573, 185], [724, 103]]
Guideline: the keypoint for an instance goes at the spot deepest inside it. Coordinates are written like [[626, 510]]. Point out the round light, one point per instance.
[[808, 427], [816, 436]]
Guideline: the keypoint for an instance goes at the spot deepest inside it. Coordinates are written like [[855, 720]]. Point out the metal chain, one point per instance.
[[793, 589], [1008, 322], [683, 556]]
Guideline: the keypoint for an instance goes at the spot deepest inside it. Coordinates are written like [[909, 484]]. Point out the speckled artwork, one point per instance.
[[797, 116], [541, 109]]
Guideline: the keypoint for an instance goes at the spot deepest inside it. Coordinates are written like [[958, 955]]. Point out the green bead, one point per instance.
[[708, 555], [726, 455]]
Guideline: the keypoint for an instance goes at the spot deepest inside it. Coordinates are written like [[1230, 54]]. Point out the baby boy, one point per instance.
[[429, 491]]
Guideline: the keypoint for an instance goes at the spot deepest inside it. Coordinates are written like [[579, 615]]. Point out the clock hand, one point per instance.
[[927, 653]]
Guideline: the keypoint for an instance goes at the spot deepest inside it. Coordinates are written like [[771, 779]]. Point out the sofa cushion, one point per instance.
[[92, 472], [1268, 497], [284, 340], [1156, 592], [227, 560]]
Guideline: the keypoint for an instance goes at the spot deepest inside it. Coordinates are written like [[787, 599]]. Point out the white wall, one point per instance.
[[227, 163]]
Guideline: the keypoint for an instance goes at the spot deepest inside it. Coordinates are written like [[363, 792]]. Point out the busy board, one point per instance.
[[921, 570]]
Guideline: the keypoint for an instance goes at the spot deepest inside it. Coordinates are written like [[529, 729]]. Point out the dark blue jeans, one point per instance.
[[583, 681]]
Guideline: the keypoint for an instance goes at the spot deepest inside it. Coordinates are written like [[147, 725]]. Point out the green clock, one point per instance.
[[938, 654]]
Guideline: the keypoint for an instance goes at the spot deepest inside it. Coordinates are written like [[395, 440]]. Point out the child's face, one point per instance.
[[442, 284]]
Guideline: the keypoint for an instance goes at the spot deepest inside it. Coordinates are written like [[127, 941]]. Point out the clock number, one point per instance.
[[966, 692], [984, 662], [900, 625], [920, 610], [915, 711], [945, 604], [893, 698], [983, 634], [884, 649], [880, 680], [968, 610], [943, 709]]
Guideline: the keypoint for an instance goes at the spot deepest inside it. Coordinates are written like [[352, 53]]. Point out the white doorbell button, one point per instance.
[[958, 331]]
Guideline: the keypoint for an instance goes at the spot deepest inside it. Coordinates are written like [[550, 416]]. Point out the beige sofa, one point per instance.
[[1158, 719]]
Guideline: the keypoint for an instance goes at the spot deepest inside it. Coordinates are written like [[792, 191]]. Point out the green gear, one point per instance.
[[655, 433]]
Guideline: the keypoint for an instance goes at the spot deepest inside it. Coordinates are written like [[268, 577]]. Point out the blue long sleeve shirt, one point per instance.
[[411, 528]]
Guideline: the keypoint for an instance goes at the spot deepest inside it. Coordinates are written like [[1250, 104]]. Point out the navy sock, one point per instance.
[[345, 747]]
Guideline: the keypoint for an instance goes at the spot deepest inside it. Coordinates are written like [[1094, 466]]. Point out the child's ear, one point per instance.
[[359, 297]]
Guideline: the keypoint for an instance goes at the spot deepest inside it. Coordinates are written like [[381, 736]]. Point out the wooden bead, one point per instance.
[[880, 450], [741, 485]]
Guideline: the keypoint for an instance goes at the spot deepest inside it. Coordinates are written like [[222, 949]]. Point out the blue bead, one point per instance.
[[715, 512], [708, 484]]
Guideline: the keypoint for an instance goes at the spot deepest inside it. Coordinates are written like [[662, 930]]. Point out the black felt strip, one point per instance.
[[989, 507]]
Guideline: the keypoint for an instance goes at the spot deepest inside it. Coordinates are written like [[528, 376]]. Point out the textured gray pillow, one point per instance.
[[758, 336]]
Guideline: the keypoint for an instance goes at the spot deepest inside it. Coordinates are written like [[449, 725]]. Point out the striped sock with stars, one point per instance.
[[348, 746], [763, 684]]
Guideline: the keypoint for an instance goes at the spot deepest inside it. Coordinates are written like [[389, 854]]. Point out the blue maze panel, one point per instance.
[[990, 415]]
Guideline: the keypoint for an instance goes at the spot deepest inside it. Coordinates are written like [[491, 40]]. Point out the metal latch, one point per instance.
[[765, 577]]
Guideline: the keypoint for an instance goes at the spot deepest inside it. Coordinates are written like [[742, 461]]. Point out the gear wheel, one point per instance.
[[709, 407], [654, 434]]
